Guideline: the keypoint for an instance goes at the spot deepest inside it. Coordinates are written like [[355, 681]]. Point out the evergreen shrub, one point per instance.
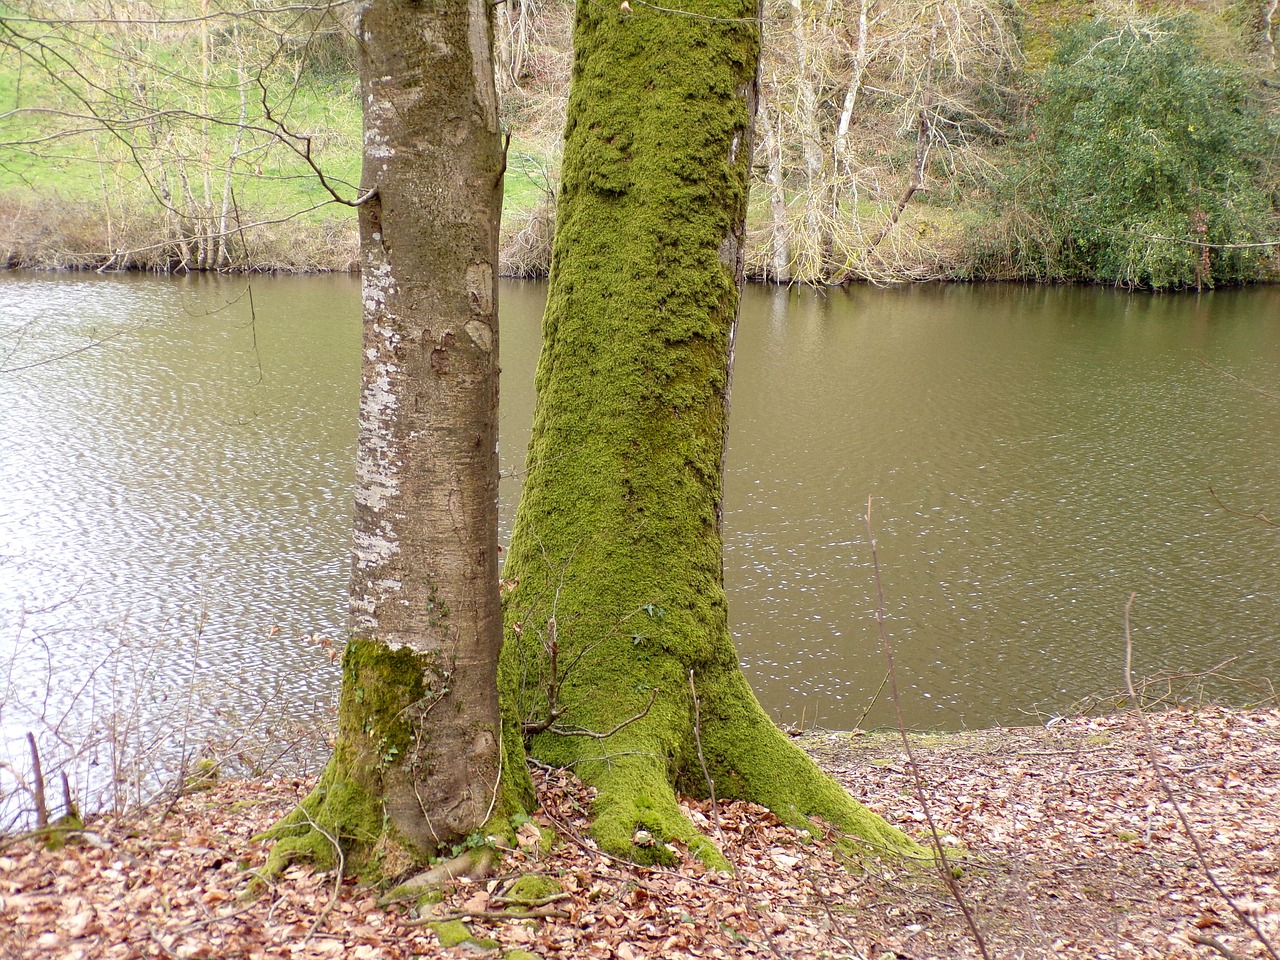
[[1141, 147]]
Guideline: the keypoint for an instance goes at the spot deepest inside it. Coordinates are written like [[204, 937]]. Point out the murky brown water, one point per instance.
[[1035, 455]]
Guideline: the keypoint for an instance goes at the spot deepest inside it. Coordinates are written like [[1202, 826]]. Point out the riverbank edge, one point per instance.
[[75, 238], [103, 266], [518, 269]]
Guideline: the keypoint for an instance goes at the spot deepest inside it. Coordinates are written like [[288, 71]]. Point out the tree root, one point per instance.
[[539, 914], [337, 825], [476, 863], [741, 755]]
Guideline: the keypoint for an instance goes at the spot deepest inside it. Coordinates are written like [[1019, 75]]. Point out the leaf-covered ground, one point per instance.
[[1071, 849]]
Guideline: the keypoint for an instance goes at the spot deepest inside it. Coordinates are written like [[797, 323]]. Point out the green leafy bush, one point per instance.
[[1142, 148]]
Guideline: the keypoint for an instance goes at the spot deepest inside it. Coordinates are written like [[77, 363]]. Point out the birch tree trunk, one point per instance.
[[769, 119], [417, 765]]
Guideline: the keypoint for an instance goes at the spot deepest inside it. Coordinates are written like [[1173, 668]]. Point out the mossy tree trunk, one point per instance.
[[619, 613], [417, 763]]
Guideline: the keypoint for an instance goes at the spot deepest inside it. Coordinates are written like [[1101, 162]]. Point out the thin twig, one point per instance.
[[1256, 515], [1240, 380], [628, 865], [578, 732], [874, 698], [42, 833], [922, 793], [1149, 742], [529, 904], [487, 915], [300, 144], [1195, 936], [743, 896], [339, 870], [706, 774], [164, 947]]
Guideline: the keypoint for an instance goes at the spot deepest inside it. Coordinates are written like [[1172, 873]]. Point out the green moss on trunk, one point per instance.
[[337, 823], [620, 612], [384, 693]]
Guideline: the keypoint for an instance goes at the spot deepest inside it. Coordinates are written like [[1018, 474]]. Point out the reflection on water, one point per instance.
[[1035, 455]]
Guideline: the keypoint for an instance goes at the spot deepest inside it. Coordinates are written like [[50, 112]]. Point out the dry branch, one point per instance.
[[1167, 789], [922, 792]]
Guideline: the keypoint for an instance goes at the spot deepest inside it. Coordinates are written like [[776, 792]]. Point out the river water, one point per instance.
[[176, 471]]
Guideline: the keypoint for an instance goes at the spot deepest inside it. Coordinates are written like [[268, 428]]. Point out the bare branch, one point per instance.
[[1149, 738], [1240, 380], [1195, 936], [922, 792], [301, 145], [702, 761], [579, 732]]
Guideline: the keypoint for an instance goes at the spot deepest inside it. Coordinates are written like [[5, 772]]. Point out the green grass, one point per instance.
[[51, 153], [526, 180]]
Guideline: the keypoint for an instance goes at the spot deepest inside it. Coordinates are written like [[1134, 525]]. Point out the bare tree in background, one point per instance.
[[138, 127], [863, 100]]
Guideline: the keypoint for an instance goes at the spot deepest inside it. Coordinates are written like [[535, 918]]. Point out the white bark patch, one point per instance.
[[378, 461], [375, 141], [481, 334], [377, 466], [376, 285], [374, 549], [389, 335], [362, 610], [376, 111]]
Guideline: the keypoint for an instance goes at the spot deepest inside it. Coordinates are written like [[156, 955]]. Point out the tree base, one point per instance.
[[735, 752], [338, 826]]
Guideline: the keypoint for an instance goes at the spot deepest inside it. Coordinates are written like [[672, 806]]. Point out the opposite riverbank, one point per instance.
[[1072, 849], [1050, 140]]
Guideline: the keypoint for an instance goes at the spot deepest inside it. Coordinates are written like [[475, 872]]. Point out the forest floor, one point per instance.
[[1071, 849]]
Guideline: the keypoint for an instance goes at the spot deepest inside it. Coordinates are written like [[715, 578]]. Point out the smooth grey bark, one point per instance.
[[417, 762]]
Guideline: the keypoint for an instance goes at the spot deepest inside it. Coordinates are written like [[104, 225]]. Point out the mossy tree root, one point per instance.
[[337, 826], [749, 758], [637, 814], [412, 776], [743, 756]]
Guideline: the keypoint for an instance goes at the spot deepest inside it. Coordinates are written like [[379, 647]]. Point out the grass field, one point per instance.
[[163, 139]]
